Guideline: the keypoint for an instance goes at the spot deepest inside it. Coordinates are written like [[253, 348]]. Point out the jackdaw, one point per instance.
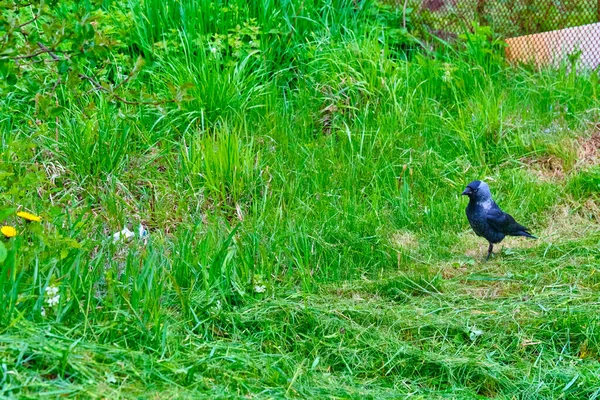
[[487, 219]]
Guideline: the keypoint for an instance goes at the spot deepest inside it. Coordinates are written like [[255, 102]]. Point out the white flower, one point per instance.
[[43, 312], [52, 296], [51, 290], [52, 301], [260, 288]]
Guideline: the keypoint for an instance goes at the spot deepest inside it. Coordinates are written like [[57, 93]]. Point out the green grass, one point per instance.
[[307, 238]]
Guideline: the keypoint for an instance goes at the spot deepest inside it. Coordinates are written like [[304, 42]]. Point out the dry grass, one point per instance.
[[547, 168], [553, 168], [476, 247], [588, 152], [404, 240], [571, 221], [493, 290]]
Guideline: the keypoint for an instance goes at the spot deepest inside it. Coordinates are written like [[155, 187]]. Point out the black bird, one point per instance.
[[487, 219]]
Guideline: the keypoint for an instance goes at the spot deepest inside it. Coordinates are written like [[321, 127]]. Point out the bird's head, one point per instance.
[[477, 190]]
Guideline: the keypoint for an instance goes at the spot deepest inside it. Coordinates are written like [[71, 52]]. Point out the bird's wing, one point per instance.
[[503, 222]]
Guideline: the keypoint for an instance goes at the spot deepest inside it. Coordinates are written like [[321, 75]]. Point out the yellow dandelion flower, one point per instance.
[[8, 231], [29, 216]]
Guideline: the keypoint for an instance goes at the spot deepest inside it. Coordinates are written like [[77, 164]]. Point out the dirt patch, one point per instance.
[[547, 168], [588, 152]]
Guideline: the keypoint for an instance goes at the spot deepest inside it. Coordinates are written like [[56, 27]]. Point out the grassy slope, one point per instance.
[[328, 171]]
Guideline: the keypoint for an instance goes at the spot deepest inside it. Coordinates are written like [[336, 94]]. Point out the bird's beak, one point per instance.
[[466, 192]]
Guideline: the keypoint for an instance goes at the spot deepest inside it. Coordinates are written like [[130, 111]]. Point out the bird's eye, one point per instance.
[[475, 190]]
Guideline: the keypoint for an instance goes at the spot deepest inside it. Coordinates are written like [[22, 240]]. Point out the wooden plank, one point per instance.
[[550, 48]]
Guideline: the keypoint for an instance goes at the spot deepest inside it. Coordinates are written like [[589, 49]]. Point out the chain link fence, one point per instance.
[[544, 32]]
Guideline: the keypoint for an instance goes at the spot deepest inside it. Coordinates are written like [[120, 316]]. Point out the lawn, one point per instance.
[[290, 173]]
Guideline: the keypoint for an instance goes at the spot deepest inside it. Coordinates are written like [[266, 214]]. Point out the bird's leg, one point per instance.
[[489, 251]]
